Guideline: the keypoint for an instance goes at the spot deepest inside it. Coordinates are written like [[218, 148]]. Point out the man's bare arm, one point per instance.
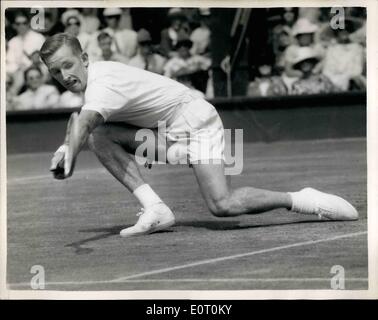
[[88, 121]]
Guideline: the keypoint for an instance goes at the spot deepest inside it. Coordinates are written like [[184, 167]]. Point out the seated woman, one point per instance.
[[37, 95], [304, 35], [310, 82], [265, 83], [344, 61]]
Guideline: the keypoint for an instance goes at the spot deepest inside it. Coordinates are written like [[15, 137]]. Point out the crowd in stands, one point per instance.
[[182, 53], [303, 54], [310, 52]]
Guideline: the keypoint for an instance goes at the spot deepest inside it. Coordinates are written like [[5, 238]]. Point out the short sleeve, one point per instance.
[[104, 99]]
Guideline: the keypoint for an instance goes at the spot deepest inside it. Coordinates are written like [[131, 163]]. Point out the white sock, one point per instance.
[[301, 202], [146, 196]]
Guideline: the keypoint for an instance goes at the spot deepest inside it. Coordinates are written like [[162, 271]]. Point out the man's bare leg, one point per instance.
[[115, 145], [225, 202], [109, 143]]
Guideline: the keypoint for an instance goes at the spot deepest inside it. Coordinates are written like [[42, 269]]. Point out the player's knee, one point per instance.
[[97, 138], [220, 207]]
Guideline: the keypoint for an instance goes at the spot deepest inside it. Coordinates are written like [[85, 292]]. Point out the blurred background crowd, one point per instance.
[[298, 53]]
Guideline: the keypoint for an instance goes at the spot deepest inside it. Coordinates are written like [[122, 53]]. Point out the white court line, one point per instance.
[[50, 176], [237, 256], [131, 278], [191, 280], [243, 280]]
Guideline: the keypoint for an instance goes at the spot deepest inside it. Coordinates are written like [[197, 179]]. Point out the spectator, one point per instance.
[[10, 96], [52, 24], [146, 58], [37, 62], [344, 61], [20, 48], [38, 95], [310, 82], [89, 20], [184, 64], [201, 35], [265, 84], [282, 40], [107, 54], [126, 21], [124, 40], [71, 20], [304, 33], [169, 36], [359, 36], [289, 17]]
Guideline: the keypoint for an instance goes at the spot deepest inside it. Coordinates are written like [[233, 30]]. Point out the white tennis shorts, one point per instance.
[[197, 133]]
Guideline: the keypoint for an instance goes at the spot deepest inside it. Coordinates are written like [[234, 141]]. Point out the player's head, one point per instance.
[[66, 61], [33, 78]]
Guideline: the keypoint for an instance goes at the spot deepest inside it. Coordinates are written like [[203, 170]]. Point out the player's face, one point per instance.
[[69, 69]]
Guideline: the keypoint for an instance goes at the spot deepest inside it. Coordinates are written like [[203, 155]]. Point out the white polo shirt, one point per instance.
[[121, 93]]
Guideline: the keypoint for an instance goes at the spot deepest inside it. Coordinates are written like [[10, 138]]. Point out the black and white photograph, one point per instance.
[[178, 149]]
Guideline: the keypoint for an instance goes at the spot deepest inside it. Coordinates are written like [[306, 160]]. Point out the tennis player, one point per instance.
[[120, 100]]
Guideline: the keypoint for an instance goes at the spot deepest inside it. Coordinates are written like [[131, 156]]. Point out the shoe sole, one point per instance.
[[160, 227]]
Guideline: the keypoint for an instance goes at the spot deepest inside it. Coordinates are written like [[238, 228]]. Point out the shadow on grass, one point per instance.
[[214, 225]]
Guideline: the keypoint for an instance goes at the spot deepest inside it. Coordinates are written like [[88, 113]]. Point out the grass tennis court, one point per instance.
[[71, 227]]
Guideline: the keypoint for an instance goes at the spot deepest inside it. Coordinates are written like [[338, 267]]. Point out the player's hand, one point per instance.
[[57, 163]]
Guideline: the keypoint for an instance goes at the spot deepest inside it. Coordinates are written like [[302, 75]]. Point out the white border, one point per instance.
[[372, 138]]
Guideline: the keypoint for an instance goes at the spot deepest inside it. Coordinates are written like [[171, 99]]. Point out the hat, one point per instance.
[[176, 13], [112, 12], [72, 13], [304, 25], [304, 53], [204, 11], [144, 36]]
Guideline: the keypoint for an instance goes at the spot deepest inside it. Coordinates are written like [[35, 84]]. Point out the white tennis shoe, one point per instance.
[[311, 201], [154, 218]]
